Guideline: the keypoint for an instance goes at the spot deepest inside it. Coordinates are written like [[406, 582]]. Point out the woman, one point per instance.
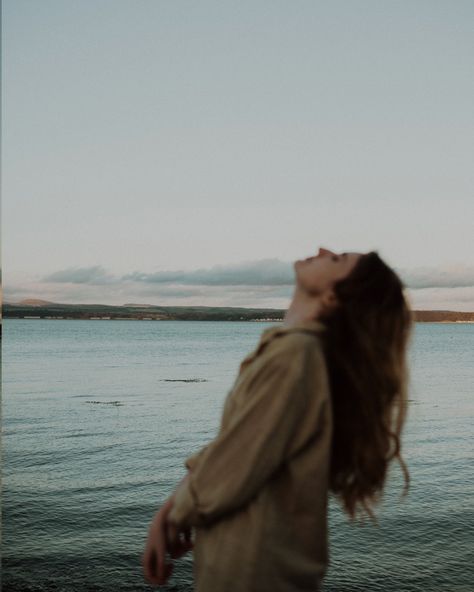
[[315, 409]]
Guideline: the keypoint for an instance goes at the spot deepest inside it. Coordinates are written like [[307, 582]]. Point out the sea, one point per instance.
[[98, 417]]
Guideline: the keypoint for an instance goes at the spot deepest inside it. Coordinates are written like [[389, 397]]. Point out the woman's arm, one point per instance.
[[278, 414]]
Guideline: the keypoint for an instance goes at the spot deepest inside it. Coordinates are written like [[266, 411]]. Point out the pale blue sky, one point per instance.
[[147, 136]]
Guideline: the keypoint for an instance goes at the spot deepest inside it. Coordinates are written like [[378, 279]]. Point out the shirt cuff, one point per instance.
[[191, 462], [184, 511]]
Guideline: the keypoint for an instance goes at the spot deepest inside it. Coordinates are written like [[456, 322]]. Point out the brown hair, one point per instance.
[[365, 345]]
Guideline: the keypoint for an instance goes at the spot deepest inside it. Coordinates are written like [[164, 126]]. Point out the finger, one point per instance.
[[188, 535], [173, 541], [185, 538], [168, 570], [178, 552], [181, 549], [188, 540], [149, 565], [151, 573], [172, 532], [161, 555]]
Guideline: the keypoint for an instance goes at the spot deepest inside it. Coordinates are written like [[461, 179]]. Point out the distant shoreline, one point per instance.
[[200, 320], [38, 309]]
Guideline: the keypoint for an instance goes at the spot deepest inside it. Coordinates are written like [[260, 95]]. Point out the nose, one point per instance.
[[323, 251]]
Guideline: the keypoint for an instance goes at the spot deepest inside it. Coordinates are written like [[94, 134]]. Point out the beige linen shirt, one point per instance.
[[258, 493]]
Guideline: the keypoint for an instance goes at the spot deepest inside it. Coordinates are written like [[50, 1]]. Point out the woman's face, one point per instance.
[[319, 273]]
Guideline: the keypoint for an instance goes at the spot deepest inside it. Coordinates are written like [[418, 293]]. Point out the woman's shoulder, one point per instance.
[[295, 342], [284, 344], [293, 350]]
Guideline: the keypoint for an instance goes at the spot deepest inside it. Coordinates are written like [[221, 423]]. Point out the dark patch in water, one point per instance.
[[86, 435], [116, 403], [184, 380]]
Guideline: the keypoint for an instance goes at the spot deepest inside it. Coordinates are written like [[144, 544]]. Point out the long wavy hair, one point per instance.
[[366, 345]]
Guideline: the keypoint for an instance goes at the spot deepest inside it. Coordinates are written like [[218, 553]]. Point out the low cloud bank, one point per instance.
[[262, 273], [456, 276], [265, 272], [95, 275]]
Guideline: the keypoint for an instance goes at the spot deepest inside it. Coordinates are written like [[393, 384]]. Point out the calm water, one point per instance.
[[98, 419]]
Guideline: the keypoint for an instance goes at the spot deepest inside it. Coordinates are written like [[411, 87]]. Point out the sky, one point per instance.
[[187, 153]]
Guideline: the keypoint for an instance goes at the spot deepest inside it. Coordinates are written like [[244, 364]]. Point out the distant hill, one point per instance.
[[133, 305], [443, 316], [35, 308], [144, 312], [35, 302]]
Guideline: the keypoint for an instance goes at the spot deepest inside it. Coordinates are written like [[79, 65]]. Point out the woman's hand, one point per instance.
[[155, 567], [163, 536], [178, 540]]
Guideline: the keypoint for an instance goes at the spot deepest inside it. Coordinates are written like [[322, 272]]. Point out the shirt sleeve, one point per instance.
[[192, 460], [258, 438]]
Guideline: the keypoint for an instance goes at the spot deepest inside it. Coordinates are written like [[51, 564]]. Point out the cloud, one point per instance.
[[265, 272], [454, 276], [269, 273], [95, 275], [274, 272]]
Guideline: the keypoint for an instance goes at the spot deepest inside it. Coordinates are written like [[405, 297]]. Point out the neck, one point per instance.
[[303, 307]]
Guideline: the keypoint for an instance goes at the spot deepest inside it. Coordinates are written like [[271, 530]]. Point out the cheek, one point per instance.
[[310, 277], [301, 273]]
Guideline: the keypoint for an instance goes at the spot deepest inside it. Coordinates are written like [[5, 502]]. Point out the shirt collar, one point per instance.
[[312, 326], [315, 327]]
